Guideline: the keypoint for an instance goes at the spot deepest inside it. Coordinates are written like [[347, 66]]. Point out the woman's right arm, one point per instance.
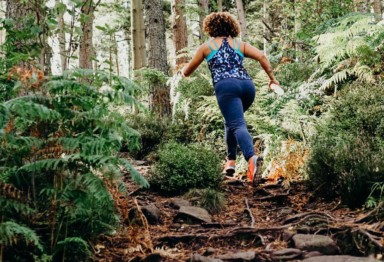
[[254, 53]]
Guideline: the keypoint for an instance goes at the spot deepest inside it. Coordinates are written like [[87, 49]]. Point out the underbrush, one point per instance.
[[346, 155]]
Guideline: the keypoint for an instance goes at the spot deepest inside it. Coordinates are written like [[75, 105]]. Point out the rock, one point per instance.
[[209, 251], [312, 254], [179, 202], [286, 254], [339, 259], [193, 215], [199, 258], [151, 213], [287, 235], [239, 256], [323, 244]]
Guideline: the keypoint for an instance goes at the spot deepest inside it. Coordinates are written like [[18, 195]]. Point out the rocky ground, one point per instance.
[[270, 223]]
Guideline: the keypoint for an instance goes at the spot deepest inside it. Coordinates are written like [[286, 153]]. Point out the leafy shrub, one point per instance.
[[181, 167], [346, 155], [151, 129], [211, 199]]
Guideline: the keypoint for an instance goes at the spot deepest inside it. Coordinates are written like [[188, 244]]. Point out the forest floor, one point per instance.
[[267, 223]]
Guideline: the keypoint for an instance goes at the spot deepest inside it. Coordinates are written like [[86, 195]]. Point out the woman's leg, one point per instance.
[[233, 99]]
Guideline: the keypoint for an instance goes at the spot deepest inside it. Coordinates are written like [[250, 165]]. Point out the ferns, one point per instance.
[[11, 233], [350, 49], [60, 143]]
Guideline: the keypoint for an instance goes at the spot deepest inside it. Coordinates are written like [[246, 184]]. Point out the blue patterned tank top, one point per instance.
[[226, 62]]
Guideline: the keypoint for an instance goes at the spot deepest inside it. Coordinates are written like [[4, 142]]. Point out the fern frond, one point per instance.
[[364, 73], [11, 233], [5, 116], [136, 176], [31, 110], [336, 79]]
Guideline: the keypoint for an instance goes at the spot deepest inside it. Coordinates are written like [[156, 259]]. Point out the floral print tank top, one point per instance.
[[226, 62]]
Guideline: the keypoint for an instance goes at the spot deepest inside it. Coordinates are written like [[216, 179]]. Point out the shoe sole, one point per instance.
[[258, 172], [229, 172]]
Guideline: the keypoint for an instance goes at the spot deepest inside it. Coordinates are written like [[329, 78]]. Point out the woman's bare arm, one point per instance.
[[254, 53], [196, 60]]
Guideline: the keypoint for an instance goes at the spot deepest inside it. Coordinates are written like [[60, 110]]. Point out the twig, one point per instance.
[[371, 238], [249, 212]]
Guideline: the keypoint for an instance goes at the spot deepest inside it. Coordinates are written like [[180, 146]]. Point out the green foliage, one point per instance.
[[211, 199], [60, 142], [346, 152], [350, 49], [181, 167], [74, 249], [196, 86], [376, 196]]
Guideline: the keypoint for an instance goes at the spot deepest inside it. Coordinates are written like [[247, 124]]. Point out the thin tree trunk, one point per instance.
[[157, 54], [138, 35], [377, 9], [203, 11], [266, 30], [219, 5], [297, 30], [179, 28], [61, 37], [86, 52], [242, 21]]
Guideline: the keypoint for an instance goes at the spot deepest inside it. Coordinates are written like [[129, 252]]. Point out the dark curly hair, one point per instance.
[[221, 24]]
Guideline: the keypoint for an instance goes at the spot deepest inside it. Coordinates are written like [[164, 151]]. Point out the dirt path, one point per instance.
[[264, 224]]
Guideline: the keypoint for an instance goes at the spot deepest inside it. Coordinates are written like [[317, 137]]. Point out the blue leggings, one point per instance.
[[234, 97]]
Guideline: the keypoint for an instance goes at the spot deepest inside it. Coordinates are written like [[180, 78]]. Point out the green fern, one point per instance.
[[11, 233]]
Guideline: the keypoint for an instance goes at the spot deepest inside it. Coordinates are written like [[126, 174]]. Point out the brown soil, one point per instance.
[[255, 219]]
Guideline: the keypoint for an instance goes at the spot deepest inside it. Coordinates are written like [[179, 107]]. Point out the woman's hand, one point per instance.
[[273, 81]]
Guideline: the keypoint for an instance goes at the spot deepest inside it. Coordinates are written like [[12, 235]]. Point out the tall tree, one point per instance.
[[138, 35], [179, 28], [241, 15], [157, 54], [377, 9], [203, 11], [86, 52], [219, 5]]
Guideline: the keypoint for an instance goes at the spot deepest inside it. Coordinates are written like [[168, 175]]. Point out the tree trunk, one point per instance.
[[266, 31], [297, 30], [377, 9], [203, 11], [138, 35], [86, 45], [243, 24], [219, 5], [179, 28], [157, 54], [61, 37]]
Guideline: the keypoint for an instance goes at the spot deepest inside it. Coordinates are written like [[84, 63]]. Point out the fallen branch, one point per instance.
[[249, 211]]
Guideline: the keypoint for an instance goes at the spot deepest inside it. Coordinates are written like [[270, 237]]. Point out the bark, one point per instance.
[[243, 24], [297, 30], [138, 35], [157, 54], [203, 8], [86, 52], [219, 5], [61, 37], [179, 28], [362, 5], [377, 9], [266, 30]]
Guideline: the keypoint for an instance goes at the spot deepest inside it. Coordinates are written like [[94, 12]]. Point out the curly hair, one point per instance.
[[221, 24]]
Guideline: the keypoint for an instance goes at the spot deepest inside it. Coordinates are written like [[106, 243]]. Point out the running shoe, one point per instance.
[[254, 172]]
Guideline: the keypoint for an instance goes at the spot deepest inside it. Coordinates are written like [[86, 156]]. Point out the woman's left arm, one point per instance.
[[189, 68]]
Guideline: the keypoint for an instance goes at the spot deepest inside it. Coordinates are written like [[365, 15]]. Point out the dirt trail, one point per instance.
[[263, 224]]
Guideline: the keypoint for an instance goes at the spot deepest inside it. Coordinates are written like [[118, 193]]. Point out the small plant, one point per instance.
[[181, 167], [376, 196], [211, 199]]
